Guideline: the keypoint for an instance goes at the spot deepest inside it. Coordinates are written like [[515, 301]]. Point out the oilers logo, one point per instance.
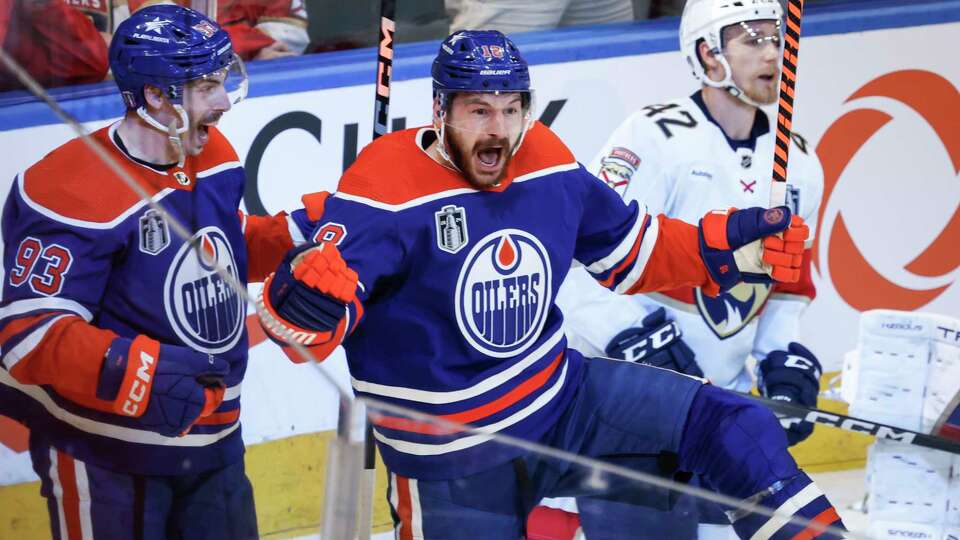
[[504, 293], [204, 311], [733, 310]]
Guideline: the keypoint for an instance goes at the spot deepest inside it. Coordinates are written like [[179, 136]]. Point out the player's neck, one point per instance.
[[733, 115], [144, 142]]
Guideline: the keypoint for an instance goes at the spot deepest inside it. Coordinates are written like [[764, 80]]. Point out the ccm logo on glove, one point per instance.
[[140, 385]]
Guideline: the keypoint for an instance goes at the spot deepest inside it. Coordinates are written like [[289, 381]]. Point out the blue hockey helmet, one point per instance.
[[479, 61], [167, 46]]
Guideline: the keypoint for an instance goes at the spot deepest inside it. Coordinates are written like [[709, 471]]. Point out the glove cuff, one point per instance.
[[127, 374]]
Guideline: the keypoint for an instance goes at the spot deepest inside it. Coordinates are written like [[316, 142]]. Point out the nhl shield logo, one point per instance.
[[154, 232], [451, 228]]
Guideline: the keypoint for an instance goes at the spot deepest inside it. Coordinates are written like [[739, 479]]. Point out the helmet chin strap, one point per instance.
[[174, 133], [441, 141], [727, 82]]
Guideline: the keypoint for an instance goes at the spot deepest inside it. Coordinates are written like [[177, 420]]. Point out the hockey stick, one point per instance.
[[857, 425], [788, 83], [381, 114]]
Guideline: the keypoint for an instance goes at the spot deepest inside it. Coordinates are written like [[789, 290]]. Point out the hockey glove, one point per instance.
[[792, 376], [657, 343], [308, 295], [166, 387], [741, 245]]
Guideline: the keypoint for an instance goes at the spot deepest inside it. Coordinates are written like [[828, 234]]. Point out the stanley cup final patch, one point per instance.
[[154, 232], [451, 228], [618, 167]]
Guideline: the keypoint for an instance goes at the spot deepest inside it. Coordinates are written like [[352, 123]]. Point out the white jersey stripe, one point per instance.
[[786, 511], [108, 430], [226, 166], [295, 233], [20, 307], [647, 244], [83, 493], [436, 398], [416, 514], [623, 249], [30, 342], [449, 193], [485, 432], [58, 493]]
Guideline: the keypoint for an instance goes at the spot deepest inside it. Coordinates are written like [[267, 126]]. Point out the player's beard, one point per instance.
[[762, 91], [464, 159]]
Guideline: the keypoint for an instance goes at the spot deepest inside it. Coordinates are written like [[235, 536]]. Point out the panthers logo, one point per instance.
[[731, 311]]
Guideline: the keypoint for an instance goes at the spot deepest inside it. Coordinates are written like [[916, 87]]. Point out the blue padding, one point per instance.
[[412, 60]]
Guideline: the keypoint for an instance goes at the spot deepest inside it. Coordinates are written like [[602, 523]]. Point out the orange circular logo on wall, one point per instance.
[[854, 278]]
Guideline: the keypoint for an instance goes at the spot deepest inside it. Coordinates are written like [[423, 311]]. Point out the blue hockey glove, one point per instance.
[[166, 387], [308, 294], [741, 245], [657, 343], [793, 376]]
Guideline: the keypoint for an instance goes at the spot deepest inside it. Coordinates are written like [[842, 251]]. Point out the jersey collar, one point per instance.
[[761, 125]]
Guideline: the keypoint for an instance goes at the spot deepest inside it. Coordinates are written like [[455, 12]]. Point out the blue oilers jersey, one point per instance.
[[457, 285], [86, 260]]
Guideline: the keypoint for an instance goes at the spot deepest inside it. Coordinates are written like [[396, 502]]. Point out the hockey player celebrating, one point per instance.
[[458, 251], [684, 157], [123, 349]]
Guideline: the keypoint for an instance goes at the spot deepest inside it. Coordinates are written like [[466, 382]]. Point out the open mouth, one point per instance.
[[490, 158]]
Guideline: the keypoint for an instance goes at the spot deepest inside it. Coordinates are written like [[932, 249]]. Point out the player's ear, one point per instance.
[[153, 97], [437, 120], [711, 66]]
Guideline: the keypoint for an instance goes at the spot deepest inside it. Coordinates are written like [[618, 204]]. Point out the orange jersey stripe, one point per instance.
[[521, 391], [823, 519], [70, 498], [228, 417], [404, 510]]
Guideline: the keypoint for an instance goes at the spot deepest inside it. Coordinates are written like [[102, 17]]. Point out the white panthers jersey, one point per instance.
[[675, 159]]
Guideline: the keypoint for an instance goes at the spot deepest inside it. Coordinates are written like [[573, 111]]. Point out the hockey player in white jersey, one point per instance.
[[683, 157]]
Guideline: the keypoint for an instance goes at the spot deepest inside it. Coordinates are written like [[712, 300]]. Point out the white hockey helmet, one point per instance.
[[706, 19]]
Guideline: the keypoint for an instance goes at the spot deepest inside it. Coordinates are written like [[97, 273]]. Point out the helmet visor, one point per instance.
[[752, 34], [232, 79]]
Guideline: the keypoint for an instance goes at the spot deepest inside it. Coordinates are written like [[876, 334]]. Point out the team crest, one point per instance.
[[451, 228], [203, 309], [504, 293], [618, 167], [731, 311], [154, 232]]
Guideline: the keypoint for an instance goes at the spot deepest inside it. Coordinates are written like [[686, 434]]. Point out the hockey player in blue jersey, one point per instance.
[[123, 350], [438, 262]]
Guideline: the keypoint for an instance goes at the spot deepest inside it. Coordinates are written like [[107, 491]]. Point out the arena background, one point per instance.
[[877, 100]]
